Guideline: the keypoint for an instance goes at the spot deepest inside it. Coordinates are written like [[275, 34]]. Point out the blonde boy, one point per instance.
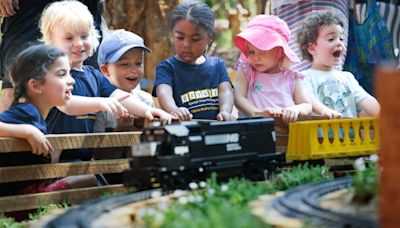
[[69, 26]]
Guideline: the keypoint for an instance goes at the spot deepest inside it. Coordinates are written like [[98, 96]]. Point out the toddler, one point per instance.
[[263, 81], [333, 93]]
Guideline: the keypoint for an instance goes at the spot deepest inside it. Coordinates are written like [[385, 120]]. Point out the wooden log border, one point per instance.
[[75, 141]]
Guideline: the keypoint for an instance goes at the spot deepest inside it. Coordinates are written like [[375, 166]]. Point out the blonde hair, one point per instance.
[[73, 15]]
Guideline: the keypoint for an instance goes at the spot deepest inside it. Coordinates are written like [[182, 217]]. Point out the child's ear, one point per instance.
[[104, 70], [211, 38], [34, 86], [311, 48]]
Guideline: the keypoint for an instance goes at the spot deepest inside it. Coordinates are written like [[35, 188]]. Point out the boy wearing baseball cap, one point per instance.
[[121, 60]]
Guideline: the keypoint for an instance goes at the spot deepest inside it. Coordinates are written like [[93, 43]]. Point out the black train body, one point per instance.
[[172, 156]]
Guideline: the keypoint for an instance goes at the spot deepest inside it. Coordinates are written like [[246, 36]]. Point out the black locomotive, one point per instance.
[[174, 155]]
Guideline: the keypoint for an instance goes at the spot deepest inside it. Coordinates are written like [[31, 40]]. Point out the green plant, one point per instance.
[[46, 209], [226, 204], [300, 174], [10, 223], [217, 205], [365, 180]]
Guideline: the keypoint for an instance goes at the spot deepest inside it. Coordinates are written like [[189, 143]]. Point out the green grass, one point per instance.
[[40, 212], [226, 205]]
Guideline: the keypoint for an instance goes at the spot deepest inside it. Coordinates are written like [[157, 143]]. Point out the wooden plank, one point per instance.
[[75, 141], [387, 91], [57, 170], [300, 118], [73, 196]]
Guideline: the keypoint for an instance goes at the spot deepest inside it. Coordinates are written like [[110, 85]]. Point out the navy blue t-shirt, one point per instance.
[[89, 83], [194, 86], [24, 113]]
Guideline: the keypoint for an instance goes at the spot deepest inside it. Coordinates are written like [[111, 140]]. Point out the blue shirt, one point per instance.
[[90, 83], [24, 113], [194, 87]]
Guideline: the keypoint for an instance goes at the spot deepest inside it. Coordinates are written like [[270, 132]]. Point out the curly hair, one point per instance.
[[309, 31]]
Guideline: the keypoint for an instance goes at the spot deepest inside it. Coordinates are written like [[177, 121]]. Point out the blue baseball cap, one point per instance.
[[116, 44]]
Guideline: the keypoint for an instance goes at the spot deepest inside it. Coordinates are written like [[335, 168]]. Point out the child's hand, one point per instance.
[[165, 118], [124, 122], [225, 116], [330, 113], [290, 114], [37, 140], [274, 112], [182, 113], [113, 106]]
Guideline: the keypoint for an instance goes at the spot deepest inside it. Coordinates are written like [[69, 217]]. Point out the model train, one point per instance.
[[171, 156]]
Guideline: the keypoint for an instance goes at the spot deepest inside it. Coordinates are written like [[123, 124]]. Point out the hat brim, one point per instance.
[[264, 41], [117, 55]]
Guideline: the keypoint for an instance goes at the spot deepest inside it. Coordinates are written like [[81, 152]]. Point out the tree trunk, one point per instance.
[[150, 20]]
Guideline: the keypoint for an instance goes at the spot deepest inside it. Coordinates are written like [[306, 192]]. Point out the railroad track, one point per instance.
[[84, 215], [304, 203]]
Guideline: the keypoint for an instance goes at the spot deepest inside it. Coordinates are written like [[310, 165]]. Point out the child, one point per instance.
[[263, 84], [42, 80], [192, 84], [121, 60], [69, 26], [333, 93]]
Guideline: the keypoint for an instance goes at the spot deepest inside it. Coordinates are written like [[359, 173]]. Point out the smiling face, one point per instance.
[[263, 61], [328, 48], [77, 45], [58, 84], [190, 41], [127, 72]]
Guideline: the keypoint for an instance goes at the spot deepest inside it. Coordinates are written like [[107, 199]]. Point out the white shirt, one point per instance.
[[338, 90]]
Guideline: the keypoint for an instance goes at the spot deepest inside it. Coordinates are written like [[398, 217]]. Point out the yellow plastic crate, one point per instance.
[[318, 139]]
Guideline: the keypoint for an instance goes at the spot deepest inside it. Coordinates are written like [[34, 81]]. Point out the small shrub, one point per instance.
[[226, 204], [365, 180], [300, 174]]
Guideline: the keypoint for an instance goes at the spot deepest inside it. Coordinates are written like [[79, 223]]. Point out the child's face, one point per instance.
[[328, 48], [190, 41], [77, 45], [127, 72], [58, 83], [263, 61]]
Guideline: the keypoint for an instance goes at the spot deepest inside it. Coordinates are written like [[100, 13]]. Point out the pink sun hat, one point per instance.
[[266, 32]]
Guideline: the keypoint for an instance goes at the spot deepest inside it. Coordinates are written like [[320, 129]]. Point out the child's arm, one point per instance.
[[319, 108], [138, 108], [240, 93], [167, 103], [370, 106], [36, 139], [79, 105], [225, 96], [302, 107], [322, 110]]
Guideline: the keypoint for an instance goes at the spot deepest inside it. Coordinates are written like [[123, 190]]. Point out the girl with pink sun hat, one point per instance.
[[263, 81]]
